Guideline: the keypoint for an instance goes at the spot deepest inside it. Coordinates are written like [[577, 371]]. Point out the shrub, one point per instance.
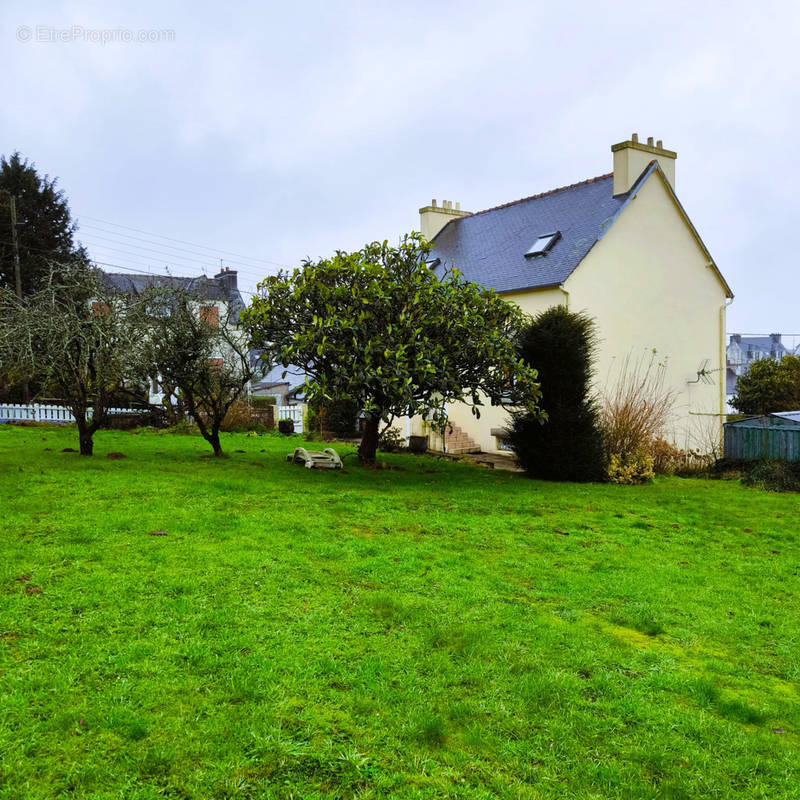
[[636, 411], [337, 417], [667, 459], [630, 468], [568, 446], [774, 476], [391, 441], [637, 408], [259, 401], [237, 418]]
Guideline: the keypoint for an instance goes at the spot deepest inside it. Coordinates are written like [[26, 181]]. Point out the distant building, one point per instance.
[[742, 351], [219, 296], [288, 389]]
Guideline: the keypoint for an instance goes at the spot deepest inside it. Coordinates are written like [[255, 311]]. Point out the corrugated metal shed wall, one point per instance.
[[770, 436]]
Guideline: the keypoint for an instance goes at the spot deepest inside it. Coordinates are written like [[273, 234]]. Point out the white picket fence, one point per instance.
[[294, 413], [38, 412]]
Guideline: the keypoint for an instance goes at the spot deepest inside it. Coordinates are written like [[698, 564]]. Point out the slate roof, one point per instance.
[[763, 345], [205, 288], [293, 379], [489, 247]]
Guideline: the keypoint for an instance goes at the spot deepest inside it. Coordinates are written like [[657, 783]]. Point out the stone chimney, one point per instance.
[[228, 278], [736, 338], [433, 218], [632, 158]]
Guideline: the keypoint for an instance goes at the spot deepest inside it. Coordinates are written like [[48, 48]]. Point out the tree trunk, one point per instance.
[[213, 440], [369, 441], [85, 434]]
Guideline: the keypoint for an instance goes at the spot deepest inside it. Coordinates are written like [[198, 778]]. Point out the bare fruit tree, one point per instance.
[[75, 337], [199, 351]]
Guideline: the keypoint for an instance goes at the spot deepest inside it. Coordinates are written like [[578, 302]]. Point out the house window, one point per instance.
[[543, 244], [210, 315]]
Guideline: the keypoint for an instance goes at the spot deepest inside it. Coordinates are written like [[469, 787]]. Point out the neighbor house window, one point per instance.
[[99, 308], [210, 315], [543, 244]]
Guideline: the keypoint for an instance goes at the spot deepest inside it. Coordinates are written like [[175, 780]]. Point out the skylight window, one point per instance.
[[543, 244]]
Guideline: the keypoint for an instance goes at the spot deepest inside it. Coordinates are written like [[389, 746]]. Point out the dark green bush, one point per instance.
[[339, 417], [391, 441], [560, 344], [774, 476], [257, 401]]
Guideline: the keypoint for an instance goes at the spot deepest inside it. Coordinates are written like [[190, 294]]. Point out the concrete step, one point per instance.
[[458, 442]]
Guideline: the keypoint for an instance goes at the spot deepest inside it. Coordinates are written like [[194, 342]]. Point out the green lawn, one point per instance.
[[432, 630]]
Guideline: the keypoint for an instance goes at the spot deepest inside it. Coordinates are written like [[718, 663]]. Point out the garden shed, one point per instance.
[[774, 435]]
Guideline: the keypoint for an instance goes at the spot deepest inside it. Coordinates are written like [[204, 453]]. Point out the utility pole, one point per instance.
[[26, 392], [15, 241]]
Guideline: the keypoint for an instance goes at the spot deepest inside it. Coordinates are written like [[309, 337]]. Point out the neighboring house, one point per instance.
[[219, 296], [742, 351], [620, 247], [286, 389]]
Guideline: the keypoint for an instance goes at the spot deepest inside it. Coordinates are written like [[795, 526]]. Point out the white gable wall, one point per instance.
[[649, 285]]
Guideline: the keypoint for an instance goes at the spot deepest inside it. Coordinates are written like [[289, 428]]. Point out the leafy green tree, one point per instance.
[[45, 230], [199, 351], [74, 336], [568, 446], [379, 328], [769, 386]]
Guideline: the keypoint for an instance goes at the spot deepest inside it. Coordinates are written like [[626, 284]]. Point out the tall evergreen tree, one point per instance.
[[568, 446], [45, 230]]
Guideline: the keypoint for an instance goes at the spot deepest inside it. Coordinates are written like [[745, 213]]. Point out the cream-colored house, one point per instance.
[[620, 247]]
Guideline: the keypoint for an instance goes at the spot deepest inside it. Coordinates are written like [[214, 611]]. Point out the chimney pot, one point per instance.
[[458, 206], [660, 144], [433, 202], [631, 159]]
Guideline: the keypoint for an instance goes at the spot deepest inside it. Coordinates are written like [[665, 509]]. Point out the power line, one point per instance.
[[161, 245], [134, 269], [254, 272], [171, 256], [183, 241]]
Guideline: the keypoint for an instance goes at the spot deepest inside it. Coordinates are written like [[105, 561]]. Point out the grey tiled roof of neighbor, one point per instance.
[[489, 247], [204, 287], [764, 344]]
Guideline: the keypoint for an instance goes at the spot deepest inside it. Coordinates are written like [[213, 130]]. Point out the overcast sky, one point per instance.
[[278, 131]]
